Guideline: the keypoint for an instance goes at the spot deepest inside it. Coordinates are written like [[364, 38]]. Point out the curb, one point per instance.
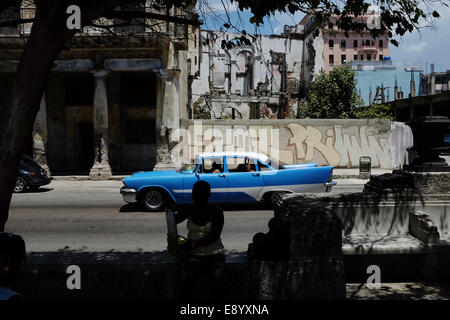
[[84, 178]]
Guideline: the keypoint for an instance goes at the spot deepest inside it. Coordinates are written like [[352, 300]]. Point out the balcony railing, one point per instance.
[[137, 26]]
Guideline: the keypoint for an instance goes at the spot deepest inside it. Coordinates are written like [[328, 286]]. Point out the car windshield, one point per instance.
[[187, 168]]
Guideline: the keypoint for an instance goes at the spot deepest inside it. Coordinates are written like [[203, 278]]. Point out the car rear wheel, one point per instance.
[[21, 185], [153, 200]]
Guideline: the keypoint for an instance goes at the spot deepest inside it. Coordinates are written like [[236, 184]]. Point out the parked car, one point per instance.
[[31, 175], [234, 177]]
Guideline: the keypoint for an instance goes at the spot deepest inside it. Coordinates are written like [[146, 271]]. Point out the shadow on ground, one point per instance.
[[399, 291], [135, 207]]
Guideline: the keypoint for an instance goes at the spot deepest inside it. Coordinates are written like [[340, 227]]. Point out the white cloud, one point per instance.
[[417, 47], [277, 29]]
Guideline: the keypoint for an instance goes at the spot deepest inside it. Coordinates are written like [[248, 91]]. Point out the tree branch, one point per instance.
[[126, 15]]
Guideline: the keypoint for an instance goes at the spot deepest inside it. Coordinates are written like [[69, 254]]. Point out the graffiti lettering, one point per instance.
[[336, 145]]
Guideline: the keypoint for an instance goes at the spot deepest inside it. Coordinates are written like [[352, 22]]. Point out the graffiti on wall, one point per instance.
[[292, 143], [339, 148]]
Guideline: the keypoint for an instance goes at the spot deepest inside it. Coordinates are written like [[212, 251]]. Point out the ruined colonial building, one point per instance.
[[114, 98], [248, 81]]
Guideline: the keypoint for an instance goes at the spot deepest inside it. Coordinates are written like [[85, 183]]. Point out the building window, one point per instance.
[[355, 43], [380, 43], [138, 89], [355, 57], [367, 42], [331, 44], [330, 26], [343, 44], [331, 59], [79, 90], [381, 57], [362, 57], [343, 59], [369, 57]]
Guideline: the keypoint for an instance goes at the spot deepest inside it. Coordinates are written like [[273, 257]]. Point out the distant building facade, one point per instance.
[[433, 98], [434, 82], [337, 49]]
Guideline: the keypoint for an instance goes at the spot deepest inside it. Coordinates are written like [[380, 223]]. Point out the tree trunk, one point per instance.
[[47, 39]]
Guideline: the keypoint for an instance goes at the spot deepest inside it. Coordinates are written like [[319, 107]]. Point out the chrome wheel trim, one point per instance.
[[154, 199], [20, 185]]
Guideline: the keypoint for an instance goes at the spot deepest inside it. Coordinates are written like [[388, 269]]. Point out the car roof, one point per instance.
[[255, 155]]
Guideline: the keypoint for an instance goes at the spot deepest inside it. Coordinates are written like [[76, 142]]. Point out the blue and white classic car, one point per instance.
[[234, 177]]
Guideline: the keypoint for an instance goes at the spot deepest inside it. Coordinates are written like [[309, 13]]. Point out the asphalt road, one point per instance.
[[91, 216]]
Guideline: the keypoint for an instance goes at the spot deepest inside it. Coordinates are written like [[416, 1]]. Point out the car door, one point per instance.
[[211, 170], [243, 185]]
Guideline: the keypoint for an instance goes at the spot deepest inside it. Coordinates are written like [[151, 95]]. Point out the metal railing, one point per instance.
[[137, 26]]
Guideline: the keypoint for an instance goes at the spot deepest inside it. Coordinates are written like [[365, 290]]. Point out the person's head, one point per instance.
[[247, 163], [12, 255], [215, 166], [200, 192]]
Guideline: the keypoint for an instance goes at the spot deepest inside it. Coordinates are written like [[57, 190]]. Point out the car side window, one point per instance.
[[241, 164], [211, 165], [263, 167]]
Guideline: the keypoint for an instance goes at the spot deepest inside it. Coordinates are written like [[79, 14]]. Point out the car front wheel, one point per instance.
[[21, 185], [153, 200]]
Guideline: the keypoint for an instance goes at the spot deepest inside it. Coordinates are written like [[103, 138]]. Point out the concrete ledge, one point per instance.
[[382, 244], [118, 275], [155, 276]]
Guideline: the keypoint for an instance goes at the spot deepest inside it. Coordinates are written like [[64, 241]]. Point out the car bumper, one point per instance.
[[129, 195], [329, 185], [38, 182]]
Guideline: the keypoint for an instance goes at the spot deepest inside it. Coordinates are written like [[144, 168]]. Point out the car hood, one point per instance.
[[151, 174]]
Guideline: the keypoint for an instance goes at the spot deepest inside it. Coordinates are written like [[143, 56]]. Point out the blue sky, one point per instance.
[[424, 47]]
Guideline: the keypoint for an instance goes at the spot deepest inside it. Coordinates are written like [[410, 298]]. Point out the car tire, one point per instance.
[[153, 200], [21, 185]]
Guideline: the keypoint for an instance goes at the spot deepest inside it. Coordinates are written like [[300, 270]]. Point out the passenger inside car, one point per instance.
[[241, 164], [211, 166], [248, 166], [216, 168]]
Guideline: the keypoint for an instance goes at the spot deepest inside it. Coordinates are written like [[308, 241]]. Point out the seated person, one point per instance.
[[216, 168], [204, 245], [12, 255], [248, 165], [241, 168]]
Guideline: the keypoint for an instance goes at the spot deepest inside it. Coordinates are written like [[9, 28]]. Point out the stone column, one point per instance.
[[168, 120], [101, 169], [40, 135]]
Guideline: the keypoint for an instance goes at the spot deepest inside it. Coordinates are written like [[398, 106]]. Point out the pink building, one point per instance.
[[338, 49]]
